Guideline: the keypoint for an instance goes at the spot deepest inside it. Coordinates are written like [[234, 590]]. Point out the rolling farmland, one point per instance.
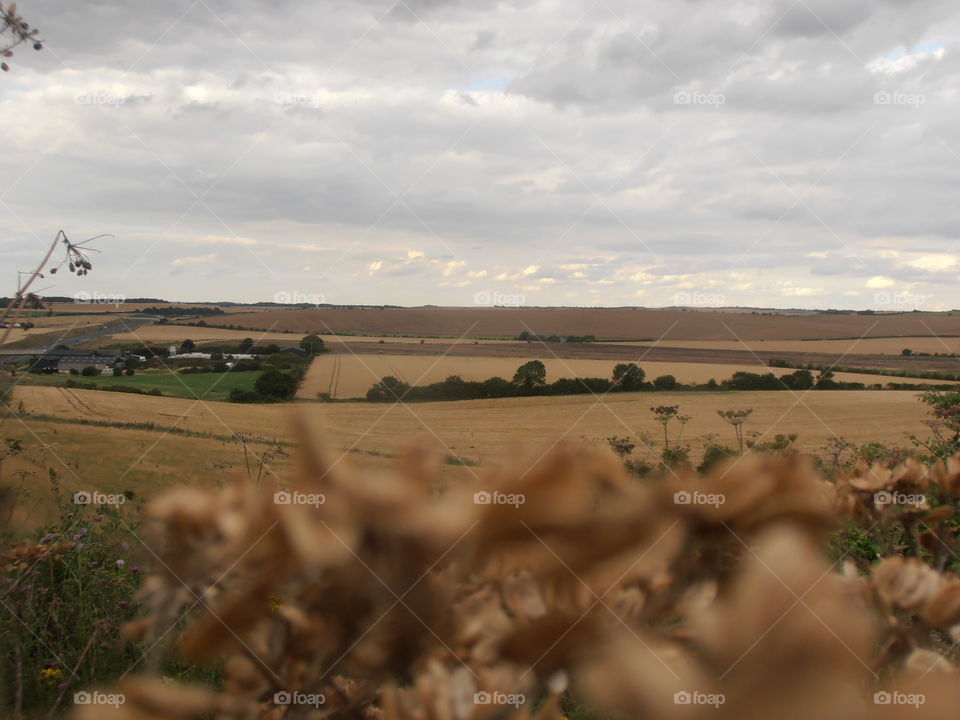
[[605, 323]]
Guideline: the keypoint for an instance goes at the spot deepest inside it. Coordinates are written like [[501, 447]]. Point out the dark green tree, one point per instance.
[[628, 376], [276, 385], [665, 382], [312, 343], [389, 389], [531, 377]]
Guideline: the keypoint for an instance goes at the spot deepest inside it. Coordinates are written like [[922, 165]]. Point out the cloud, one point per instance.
[[571, 142], [803, 291], [194, 259], [878, 281], [453, 267]]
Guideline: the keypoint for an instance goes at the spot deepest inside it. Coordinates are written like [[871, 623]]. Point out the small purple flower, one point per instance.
[[95, 564], [47, 538], [123, 603], [80, 534], [63, 686], [124, 546], [135, 570]]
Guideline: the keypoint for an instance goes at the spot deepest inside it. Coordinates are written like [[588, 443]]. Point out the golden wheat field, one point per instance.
[[605, 323], [177, 333], [481, 429]]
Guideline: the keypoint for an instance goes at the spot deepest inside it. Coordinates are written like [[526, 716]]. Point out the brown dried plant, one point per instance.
[[393, 601]]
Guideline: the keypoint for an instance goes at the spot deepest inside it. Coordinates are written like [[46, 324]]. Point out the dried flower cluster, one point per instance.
[[695, 596], [26, 554], [18, 30]]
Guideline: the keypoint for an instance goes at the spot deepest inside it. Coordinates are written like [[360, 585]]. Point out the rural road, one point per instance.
[[114, 326]]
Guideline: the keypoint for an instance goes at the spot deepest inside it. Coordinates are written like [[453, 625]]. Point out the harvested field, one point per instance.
[[648, 352], [125, 307], [483, 430], [877, 346], [175, 333], [604, 323], [178, 333]]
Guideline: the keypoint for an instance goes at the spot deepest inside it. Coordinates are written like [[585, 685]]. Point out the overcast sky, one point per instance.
[[775, 153]]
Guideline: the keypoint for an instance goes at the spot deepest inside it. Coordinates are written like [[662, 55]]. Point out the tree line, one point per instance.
[[531, 379]]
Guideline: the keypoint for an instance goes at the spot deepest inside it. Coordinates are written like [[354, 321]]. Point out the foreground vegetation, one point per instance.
[[714, 616]]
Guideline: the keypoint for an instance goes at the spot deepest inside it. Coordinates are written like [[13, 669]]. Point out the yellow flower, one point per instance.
[[275, 602], [50, 676]]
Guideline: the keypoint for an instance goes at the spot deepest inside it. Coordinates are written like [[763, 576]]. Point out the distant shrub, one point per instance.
[[713, 454], [665, 382], [276, 385]]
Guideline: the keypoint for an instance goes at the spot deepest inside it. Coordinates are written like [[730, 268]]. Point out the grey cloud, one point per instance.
[[305, 126]]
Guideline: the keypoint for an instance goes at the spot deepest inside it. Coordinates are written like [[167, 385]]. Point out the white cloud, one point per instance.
[[940, 261], [453, 266], [879, 281], [195, 259], [803, 291]]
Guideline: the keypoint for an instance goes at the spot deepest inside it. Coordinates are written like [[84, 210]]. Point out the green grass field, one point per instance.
[[208, 386]]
